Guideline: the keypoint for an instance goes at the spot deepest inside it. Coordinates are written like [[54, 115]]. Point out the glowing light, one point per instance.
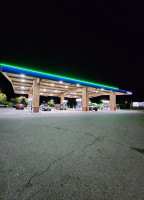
[[22, 87], [44, 90], [105, 101], [77, 85], [102, 89], [52, 84], [61, 82], [54, 76], [129, 92], [96, 90], [22, 80], [29, 72], [22, 75], [66, 86]]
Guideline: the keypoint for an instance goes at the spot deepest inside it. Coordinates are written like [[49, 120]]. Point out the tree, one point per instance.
[[18, 100], [3, 98], [10, 104], [51, 103], [24, 101]]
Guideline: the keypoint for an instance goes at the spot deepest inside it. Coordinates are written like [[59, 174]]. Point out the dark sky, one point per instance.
[[83, 39]]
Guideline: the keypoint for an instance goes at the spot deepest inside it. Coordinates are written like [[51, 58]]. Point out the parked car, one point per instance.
[[3, 105], [20, 106], [60, 107], [45, 107], [93, 108]]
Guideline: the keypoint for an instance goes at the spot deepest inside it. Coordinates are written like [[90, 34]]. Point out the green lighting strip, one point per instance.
[[54, 75]]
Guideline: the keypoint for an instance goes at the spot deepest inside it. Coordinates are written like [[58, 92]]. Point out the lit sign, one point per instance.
[[138, 104], [105, 101]]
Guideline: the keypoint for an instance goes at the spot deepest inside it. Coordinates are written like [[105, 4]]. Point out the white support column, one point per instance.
[[85, 99], [36, 97], [112, 101], [61, 99]]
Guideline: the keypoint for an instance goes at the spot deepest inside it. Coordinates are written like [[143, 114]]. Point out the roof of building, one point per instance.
[[34, 73]]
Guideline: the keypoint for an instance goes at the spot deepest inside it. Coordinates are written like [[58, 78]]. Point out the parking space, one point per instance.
[[71, 155], [26, 112]]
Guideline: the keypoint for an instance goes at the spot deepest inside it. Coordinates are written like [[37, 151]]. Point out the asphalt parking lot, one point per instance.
[[71, 155]]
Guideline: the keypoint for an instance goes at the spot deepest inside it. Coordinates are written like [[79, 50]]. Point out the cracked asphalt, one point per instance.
[[71, 156]]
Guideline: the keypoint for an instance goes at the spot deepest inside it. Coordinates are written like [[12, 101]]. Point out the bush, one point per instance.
[[11, 104], [19, 100], [24, 101], [51, 103], [3, 98]]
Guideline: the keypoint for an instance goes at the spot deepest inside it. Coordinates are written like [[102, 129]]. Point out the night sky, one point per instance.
[[81, 39]]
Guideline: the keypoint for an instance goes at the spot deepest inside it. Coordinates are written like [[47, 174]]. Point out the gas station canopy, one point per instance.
[[35, 83], [53, 85]]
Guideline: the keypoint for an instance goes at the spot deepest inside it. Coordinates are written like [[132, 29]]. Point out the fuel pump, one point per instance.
[[65, 104], [30, 103], [79, 104]]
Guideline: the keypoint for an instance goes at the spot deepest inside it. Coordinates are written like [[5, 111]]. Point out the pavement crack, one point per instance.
[[65, 181], [29, 184], [34, 194], [62, 157], [9, 170], [92, 143], [58, 128], [90, 134], [140, 150]]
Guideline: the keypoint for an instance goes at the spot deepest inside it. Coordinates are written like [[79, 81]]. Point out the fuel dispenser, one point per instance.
[[30, 103], [65, 104], [79, 104]]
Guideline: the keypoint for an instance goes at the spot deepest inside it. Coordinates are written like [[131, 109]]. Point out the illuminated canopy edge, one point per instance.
[[38, 74]]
